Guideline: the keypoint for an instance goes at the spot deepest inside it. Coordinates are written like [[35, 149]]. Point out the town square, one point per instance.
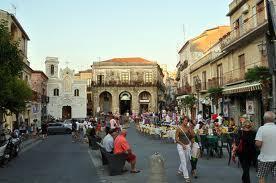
[[137, 91]]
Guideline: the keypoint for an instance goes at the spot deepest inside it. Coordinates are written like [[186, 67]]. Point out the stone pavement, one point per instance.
[[214, 170]]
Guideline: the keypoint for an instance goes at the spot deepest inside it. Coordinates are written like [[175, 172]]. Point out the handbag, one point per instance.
[[240, 147]]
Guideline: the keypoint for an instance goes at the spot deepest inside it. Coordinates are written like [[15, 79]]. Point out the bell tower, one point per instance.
[[51, 67]]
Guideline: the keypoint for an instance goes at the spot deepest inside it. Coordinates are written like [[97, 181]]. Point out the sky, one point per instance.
[[83, 31]]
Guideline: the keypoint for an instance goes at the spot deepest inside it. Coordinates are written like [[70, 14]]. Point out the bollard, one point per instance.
[[157, 169]]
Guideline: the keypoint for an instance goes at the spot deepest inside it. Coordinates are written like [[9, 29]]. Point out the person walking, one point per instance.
[[44, 130], [266, 141], [183, 136], [244, 148]]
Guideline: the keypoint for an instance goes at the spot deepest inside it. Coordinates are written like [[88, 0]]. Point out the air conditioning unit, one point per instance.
[[245, 8]]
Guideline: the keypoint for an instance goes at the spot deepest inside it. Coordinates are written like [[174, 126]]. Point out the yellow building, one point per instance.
[[19, 34], [224, 65], [193, 50]]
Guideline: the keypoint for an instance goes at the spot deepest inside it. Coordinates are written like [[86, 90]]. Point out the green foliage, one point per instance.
[[215, 94], [214, 91], [189, 101], [13, 91], [257, 73], [20, 92]]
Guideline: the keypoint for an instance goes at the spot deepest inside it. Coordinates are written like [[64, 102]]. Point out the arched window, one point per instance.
[[52, 69], [56, 92], [76, 92]]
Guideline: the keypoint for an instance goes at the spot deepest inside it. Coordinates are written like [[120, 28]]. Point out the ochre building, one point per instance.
[[127, 85]]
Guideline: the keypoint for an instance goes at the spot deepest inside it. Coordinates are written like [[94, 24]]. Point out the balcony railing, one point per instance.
[[205, 59], [239, 73], [127, 84], [215, 82], [184, 90], [249, 26]]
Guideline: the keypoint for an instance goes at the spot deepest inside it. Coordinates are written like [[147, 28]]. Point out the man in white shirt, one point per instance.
[[266, 141], [199, 117], [108, 140], [113, 123]]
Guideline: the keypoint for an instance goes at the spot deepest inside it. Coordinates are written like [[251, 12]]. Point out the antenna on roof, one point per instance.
[[184, 32], [13, 8]]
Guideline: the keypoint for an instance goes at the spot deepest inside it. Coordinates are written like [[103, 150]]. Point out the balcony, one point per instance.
[[215, 82], [238, 74], [204, 60], [252, 27], [185, 90], [235, 5], [137, 83]]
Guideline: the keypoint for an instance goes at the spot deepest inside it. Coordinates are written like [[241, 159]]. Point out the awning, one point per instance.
[[181, 97], [242, 87]]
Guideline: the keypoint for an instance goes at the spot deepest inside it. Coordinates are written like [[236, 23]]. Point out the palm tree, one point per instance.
[[261, 74], [188, 103]]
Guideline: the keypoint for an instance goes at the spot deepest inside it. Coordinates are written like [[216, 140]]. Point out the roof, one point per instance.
[[207, 39], [88, 70], [17, 23], [128, 60], [41, 72]]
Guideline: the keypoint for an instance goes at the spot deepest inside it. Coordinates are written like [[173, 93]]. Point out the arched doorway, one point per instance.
[[144, 101], [105, 102], [66, 112], [125, 103]]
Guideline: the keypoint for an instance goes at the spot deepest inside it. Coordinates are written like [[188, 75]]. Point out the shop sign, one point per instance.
[[144, 101], [249, 107]]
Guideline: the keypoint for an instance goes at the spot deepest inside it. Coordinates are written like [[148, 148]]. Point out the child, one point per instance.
[[194, 155]]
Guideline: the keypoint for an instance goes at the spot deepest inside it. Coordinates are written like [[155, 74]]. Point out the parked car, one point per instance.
[[58, 128]]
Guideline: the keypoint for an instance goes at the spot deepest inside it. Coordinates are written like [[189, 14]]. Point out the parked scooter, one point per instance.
[[4, 151], [14, 144]]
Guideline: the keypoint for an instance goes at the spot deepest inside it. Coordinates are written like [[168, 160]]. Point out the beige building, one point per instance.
[[224, 65], [19, 34], [193, 50], [127, 85], [87, 75]]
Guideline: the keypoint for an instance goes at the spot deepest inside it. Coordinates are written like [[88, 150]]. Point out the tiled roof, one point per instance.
[[207, 39], [129, 60]]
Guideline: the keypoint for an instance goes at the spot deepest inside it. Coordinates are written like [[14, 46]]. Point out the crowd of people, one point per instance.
[[253, 148]]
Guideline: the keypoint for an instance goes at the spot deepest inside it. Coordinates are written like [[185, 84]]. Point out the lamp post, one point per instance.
[[198, 88]]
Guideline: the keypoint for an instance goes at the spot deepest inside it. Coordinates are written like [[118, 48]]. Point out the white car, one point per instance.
[[68, 123]]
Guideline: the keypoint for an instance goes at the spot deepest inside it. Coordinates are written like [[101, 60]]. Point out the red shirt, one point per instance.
[[120, 144]]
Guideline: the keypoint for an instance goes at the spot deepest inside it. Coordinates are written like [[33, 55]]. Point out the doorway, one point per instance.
[[144, 108], [66, 112], [125, 103]]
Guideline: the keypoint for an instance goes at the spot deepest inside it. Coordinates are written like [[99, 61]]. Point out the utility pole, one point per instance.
[[271, 46]]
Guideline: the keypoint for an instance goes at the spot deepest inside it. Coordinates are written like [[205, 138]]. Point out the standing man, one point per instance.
[[266, 141]]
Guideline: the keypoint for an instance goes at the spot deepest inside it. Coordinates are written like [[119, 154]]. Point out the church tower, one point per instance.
[[51, 65]]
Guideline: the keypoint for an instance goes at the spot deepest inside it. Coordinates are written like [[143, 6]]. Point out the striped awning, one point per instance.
[[181, 97], [242, 87]]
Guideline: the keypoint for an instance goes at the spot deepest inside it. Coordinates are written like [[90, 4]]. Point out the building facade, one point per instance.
[[193, 50], [127, 85], [87, 76], [225, 64], [67, 96], [18, 34], [39, 105]]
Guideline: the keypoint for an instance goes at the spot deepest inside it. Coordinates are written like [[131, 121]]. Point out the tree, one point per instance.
[[13, 92], [188, 102], [215, 94], [261, 74]]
